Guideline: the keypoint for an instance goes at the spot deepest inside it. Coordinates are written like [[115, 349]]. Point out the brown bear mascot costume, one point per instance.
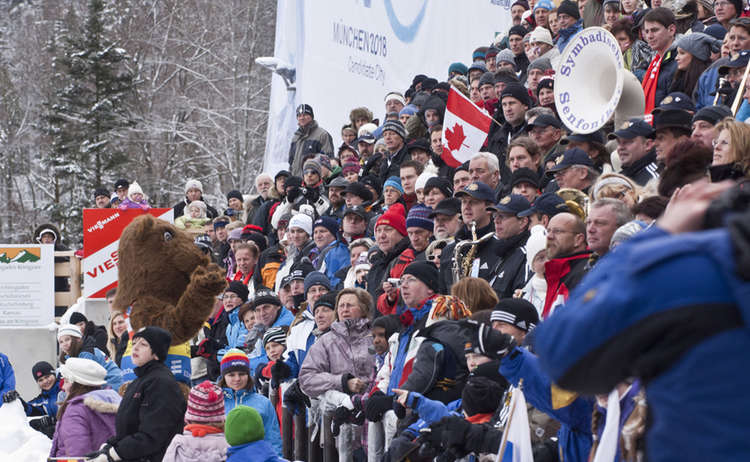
[[166, 281]]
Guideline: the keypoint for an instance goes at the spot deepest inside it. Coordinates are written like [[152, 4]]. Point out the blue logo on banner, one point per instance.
[[404, 32]]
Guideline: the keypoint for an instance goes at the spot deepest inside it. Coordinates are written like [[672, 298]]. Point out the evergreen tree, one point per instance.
[[87, 113]]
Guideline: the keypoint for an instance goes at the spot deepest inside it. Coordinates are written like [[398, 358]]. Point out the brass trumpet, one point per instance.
[[463, 269]]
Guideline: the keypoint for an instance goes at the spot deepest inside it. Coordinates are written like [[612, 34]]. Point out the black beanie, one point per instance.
[[77, 317], [42, 369], [569, 8], [234, 194], [101, 192], [481, 396], [425, 272], [237, 287], [518, 30], [517, 91], [328, 300], [157, 338]]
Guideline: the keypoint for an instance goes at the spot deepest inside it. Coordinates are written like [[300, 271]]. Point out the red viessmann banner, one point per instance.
[[101, 238]]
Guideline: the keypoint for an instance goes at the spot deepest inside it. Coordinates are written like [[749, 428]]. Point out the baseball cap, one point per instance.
[[633, 128], [478, 190], [450, 206], [548, 203], [574, 156], [512, 203]]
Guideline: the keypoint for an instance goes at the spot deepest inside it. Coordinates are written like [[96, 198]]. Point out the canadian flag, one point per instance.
[[465, 127]]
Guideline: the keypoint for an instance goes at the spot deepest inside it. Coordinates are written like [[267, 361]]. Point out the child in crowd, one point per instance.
[[135, 199], [246, 437], [72, 345], [86, 419], [44, 405], [274, 342], [195, 218], [239, 389], [203, 438], [535, 290], [254, 329]]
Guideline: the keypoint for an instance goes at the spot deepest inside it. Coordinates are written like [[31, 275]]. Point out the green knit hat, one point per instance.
[[243, 426]]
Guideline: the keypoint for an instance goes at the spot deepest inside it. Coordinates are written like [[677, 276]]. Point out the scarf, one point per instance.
[[650, 81], [479, 418], [200, 430], [245, 279]]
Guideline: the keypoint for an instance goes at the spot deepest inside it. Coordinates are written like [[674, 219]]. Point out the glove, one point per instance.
[[339, 417], [455, 431], [492, 343], [399, 409], [295, 399], [279, 372], [259, 377], [106, 454], [377, 405], [10, 396], [401, 446], [206, 348]]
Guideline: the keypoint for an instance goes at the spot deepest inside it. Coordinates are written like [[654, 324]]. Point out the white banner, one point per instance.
[[27, 285], [351, 53]]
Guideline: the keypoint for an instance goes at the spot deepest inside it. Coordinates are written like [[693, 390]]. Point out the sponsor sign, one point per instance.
[[27, 285], [101, 239]]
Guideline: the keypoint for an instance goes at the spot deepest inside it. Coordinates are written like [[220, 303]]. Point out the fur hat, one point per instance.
[[360, 113], [193, 184], [134, 188], [243, 425]]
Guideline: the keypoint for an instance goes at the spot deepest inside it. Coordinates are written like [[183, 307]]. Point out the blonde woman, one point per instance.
[[731, 151], [616, 186]]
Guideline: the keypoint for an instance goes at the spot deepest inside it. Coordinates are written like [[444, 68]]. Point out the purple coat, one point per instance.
[[342, 350], [189, 448], [88, 422]]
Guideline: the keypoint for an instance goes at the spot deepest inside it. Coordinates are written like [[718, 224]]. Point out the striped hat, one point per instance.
[[419, 217], [235, 360], [516, 312], [275, 334], [205, 404]]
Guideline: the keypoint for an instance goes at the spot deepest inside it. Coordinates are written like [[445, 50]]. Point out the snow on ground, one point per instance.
[[18, 441]]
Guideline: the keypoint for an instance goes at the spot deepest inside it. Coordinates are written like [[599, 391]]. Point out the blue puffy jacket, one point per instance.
[[236, 333], [707, 84], [572, 411], [672, 311], [336, 257], [45, 403], [257, 451], [7, 377], [114, 373], [264, 407]]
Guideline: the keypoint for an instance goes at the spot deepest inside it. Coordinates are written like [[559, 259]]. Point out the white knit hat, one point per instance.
[[193, 184], [422, 179], [536, 243], [134, 188], [83, 371], [69, 329], [303, 222], [541, 35]]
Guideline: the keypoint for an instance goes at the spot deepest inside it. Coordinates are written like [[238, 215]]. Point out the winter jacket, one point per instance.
[[150, 415], [89, 351], [507, 270], [257, 451], [707, 83], [186, 222], [308, 140], [88, 422], [130, 204], [234, 333], [188, 448], [342, 352], [284, 318], [566, 34], [299, 341], [391, 164], [632, 317], [397, 268], [642, 170], [179, 208], [562, 275], [330, 259], [264, 407], [666, 74], [45, 403], [439, 370], [638, 57], [7, 377], [572, 411], [98, 333], [381, 263]]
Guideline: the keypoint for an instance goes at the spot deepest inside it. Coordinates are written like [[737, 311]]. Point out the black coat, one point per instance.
[[150, 415], [121, 345], [643, 170], [393, 168], [99, 334], [507, 270], [380, 266], [485, 253]]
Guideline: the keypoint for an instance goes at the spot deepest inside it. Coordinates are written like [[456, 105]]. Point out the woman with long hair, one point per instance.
[[693, 57], [73, 345], [731, 158], [86, 419], [117, 332]]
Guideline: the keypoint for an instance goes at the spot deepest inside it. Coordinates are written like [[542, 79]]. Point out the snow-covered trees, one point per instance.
[[192, 102]]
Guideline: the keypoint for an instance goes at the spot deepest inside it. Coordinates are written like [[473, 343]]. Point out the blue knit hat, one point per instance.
[[458, 67], [328, 223], [316, 278], [394, 182], [419, 216]]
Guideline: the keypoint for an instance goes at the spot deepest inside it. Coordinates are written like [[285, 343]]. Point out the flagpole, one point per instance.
[[504, 441]]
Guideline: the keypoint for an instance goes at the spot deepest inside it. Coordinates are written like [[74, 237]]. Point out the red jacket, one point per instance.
[[562, 275], [397, 270]]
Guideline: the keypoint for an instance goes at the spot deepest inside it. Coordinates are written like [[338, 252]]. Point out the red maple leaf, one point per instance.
[[455, 137]]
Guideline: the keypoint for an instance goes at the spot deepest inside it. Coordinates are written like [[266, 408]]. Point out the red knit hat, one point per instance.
[[205, 403], [394, 217]]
